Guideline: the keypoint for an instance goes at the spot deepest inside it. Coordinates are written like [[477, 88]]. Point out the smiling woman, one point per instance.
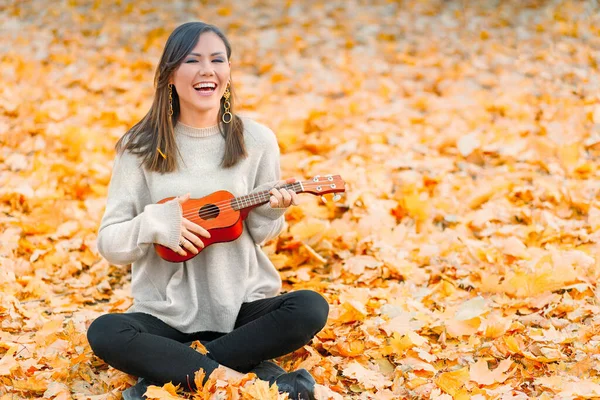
[[202, 80], [226, 296], [195, 55]]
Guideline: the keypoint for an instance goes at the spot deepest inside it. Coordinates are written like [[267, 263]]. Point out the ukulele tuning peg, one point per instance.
[[336, 197], [324, 199]]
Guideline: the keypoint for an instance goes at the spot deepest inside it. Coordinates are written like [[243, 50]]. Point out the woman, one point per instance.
[[226, 296]]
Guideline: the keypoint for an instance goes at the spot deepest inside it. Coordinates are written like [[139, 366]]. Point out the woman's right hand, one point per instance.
[[188, 240]]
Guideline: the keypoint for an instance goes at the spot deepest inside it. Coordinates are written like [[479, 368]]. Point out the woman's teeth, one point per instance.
[[205, 87]]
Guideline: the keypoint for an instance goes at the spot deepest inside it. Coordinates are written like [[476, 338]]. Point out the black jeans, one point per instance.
[[142, 345]]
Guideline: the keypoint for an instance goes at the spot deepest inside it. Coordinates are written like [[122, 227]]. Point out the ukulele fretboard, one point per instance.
[[258, 198]]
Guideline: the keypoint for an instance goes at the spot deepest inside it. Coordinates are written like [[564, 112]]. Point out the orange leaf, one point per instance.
[[453, 382], [260, 390], [167, 392], [199, 379], [352, 348], [199, 347], [350, 314]]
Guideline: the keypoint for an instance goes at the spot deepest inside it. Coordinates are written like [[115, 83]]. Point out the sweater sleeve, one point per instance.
[[131, 222], [264, 222]]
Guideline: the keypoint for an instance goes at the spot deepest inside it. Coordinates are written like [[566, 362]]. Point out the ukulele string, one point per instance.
[[225, 206]]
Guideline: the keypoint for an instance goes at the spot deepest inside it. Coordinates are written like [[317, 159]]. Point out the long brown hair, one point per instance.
[[154, 133]]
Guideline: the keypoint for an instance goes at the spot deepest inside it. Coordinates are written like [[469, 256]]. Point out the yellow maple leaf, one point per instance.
[[260, 390], [480, 373], [569, 155], [512, 344], [398, 344], [48, 332], [453, 382], [514, 247], [350, 313], [166, 392], [416, 207], [308, 228], [494, 325], [8, 362], [367, 377]]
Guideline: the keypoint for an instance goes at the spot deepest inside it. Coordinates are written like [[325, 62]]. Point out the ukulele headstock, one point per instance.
[[320, 185]]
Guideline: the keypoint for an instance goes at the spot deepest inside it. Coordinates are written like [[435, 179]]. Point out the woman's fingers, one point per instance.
[[295, 200], [191, 243], [276, 198], [283, 198], [189, 230], [180, 249], [286, 196], [189, 240], [193, 240], [184, 198], [286, 181], [193, 227]]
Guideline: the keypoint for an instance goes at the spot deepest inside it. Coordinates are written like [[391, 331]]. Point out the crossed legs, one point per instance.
[[144, 346]]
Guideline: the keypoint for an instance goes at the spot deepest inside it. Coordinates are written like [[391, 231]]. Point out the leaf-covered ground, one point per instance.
[[462, 261]]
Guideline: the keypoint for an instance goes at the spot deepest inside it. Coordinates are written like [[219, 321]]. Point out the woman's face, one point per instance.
[[201, 79]]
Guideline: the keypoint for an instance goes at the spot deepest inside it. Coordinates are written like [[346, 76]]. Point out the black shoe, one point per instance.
[[136, 392], [268, 371], [300, 385]]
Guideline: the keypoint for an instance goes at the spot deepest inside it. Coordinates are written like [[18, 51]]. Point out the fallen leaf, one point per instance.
[[470, 309], [480, 373], [166, 392], [366, 377]]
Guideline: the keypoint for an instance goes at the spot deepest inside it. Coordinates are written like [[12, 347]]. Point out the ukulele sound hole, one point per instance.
[[208, 211]]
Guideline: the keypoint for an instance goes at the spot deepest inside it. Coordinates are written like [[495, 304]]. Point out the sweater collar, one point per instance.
[[196, 132]]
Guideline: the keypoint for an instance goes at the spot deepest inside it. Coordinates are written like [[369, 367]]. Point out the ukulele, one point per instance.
[[222, 214]]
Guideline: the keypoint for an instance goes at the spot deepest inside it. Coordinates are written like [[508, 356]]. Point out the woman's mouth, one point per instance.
[[205, 88]]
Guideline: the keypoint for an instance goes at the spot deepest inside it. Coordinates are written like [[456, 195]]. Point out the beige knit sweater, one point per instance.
[[206, 292]]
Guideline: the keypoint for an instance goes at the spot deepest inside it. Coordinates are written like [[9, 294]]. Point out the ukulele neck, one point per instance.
[[259, 198]]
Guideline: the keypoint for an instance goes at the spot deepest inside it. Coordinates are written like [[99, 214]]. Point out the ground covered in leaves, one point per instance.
[[462, 261]]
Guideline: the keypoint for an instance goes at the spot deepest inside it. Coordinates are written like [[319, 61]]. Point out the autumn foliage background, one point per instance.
[[462, 261]]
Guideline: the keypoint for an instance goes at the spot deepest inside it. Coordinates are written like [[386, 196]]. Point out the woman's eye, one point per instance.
[[193, 61]]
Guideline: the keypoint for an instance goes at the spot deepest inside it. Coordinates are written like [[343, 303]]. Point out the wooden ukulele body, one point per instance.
[[208, 213]]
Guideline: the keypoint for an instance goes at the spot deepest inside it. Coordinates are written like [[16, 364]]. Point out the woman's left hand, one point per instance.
[[283, 198]]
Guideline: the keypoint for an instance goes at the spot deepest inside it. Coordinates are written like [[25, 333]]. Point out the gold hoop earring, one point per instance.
[[227, 116], [170, 100]]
